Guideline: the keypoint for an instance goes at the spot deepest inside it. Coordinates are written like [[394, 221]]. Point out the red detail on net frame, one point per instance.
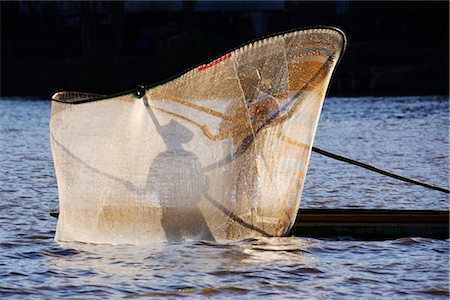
[[217, 61]]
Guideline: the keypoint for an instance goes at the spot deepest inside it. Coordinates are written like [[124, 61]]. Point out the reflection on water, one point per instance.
[[406, 135], [270, 267]]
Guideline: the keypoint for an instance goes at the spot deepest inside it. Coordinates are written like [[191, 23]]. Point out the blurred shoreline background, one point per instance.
[[395, 48]]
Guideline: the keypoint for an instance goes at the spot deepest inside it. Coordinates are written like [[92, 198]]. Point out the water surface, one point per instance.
[[408, 135]]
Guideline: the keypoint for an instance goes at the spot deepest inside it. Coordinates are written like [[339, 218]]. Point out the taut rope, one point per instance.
[[380, 171]]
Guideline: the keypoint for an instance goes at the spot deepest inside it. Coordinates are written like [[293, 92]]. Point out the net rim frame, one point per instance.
[[140, 91]]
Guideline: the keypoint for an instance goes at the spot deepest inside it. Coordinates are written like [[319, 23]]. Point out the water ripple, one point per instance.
[[408, 135]]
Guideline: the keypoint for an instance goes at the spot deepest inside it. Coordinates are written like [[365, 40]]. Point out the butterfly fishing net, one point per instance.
[[219, 153]]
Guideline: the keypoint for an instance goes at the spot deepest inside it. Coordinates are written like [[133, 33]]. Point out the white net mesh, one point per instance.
[[218, 153]]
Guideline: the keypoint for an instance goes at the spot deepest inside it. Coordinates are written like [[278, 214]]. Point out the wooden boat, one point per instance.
[[219, 153]]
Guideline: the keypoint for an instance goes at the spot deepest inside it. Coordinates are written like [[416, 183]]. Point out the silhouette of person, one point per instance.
[[176, 179]]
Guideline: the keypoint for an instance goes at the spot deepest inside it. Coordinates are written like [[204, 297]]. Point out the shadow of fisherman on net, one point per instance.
[[176, 179]]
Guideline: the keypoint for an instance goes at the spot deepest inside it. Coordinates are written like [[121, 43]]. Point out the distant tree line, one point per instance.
[[106, 47]]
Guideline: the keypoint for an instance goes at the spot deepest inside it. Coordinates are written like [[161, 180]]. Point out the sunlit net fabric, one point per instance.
[[219, 153]]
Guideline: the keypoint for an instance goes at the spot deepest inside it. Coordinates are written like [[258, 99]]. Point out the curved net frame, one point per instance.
[[219, 153]]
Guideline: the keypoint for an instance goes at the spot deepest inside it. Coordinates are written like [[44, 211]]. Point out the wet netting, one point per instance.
[[219, 153]]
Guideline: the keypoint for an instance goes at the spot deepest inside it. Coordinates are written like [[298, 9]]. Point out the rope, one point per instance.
[[377, 170]]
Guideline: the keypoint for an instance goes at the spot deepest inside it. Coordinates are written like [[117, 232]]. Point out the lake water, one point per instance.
[[407, 135]]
